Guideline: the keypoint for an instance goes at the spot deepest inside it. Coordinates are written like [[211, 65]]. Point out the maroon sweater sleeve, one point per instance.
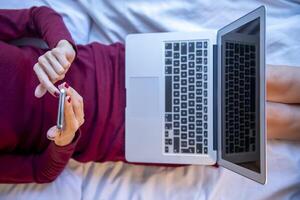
[[41, 22], [39, 168], [43, 167]]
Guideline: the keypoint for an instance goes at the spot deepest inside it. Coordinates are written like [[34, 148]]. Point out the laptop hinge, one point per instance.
[[215, 96]]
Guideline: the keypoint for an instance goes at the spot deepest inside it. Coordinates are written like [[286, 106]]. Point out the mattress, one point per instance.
[[110, 21]]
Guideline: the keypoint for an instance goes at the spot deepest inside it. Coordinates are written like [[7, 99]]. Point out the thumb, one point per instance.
[[52, 133], [40, 91]]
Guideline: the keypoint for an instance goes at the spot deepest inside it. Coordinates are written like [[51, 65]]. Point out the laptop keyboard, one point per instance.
[[240, 76], [186, 97]]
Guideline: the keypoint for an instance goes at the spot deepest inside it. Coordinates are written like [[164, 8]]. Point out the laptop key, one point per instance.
[[191, 65], [168, 54], [168, 117], [176, 145], [176, 132], [168, 61], [185, 151], [199, 148], [205, 150], [168, 70], [191, 133], [176, 46], [168, 141], [199, 138], [168, 45], [176, 63], [199, 61], [176, 124], [191, 46], [199, 53], [198, 45], [183, 143], [199, 131], [191, 142], [191, 150], [166, 149], [191, 56], [176, 85], [183, 48]]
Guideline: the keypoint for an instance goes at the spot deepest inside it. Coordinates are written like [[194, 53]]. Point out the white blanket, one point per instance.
[[111, 20]]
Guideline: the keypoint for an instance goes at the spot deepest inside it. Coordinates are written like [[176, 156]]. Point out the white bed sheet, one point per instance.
[[109, 21]]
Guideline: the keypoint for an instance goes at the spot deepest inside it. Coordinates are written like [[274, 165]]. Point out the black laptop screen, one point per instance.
[[240, 90]]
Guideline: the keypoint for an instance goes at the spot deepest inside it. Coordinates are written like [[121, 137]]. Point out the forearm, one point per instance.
[[42, 22], [39, 168], [283, 99]]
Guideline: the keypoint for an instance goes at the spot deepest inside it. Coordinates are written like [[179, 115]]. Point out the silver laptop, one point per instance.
[[199, 98]]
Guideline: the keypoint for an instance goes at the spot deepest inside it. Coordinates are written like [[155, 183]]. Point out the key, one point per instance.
[[168, 54], [176, 145], [176, 46], [168, 117], [168, 93], [191, 133], [191, 46], [198, 45], [168, 61], [176, 132], [199, 148], [183, 48], [168, 45]]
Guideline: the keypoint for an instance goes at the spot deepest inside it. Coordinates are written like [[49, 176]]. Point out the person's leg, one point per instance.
[[283, 106]]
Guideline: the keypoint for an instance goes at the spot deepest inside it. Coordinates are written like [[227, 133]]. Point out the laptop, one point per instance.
[[199, 97]]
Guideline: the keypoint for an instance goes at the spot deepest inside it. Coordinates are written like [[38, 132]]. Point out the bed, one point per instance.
[[108, 21]]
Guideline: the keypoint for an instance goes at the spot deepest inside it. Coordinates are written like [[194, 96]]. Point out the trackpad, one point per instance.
[[143, 97]]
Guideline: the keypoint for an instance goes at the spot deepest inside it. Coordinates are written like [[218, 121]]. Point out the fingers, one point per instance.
[[61, 57], [51, 67], [77, 102], [71, 123], [64, 136], [283, 83], [53, 133], [283, 121], [55, 64], [44, 80], [48, 68], [40, 91]]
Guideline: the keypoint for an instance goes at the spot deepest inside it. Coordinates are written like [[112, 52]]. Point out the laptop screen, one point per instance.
[[240, 96]]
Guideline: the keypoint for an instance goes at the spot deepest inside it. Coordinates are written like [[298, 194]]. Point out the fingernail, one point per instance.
[[56, 94], [67, 85], [69, 100]]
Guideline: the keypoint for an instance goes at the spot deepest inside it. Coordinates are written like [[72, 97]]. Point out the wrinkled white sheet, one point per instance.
[[109, 21]]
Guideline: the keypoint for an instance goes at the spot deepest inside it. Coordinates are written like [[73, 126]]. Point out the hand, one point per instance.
[[73, 118], [283, 106], [52, 67]]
